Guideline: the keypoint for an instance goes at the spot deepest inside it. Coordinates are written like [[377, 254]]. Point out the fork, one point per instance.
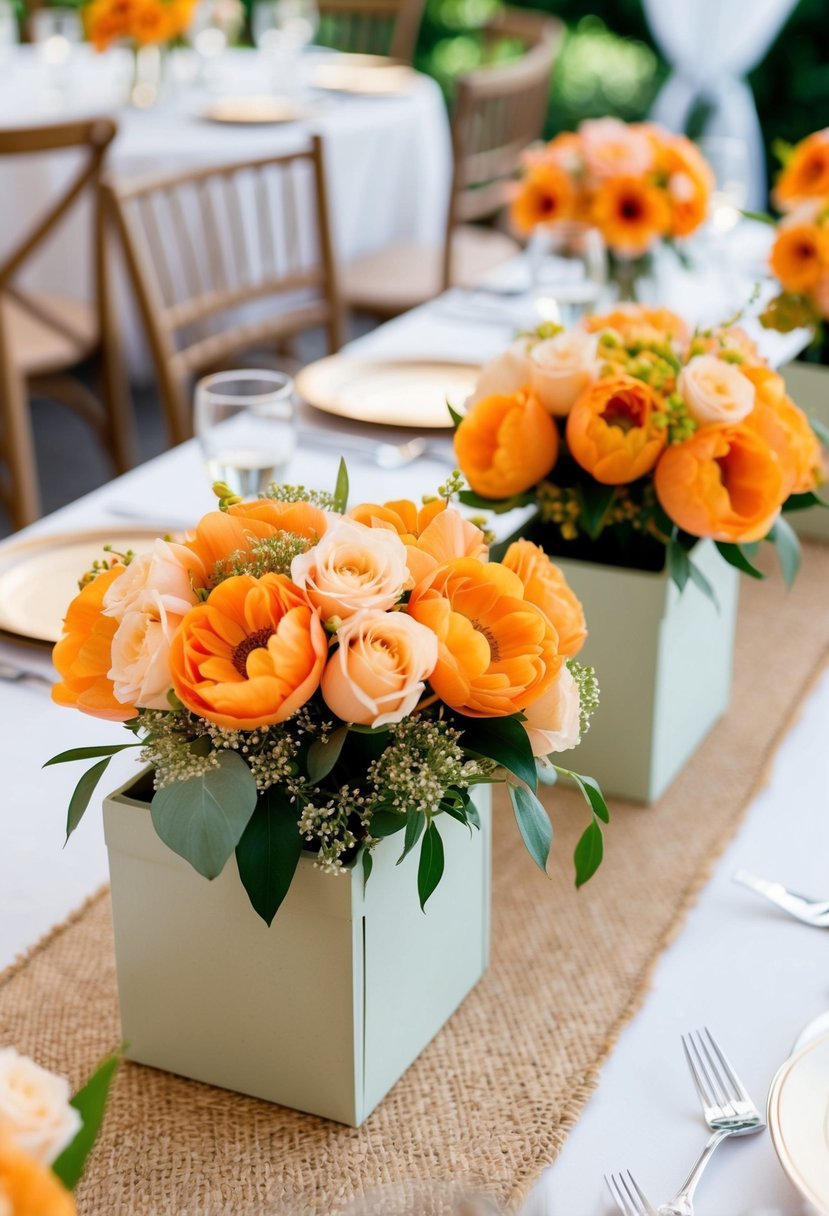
[[727, 1108], [628, 1196], [8, 671], [813, 912]]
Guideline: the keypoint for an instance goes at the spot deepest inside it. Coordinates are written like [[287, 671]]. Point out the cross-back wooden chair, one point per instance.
[[371, 27], [203, 245], [499, 109], [44, 336]]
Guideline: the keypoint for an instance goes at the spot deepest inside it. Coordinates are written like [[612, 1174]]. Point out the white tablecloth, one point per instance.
[[752, 976]]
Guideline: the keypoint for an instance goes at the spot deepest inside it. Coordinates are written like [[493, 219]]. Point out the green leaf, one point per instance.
[[430, 866], [386, 823], [679, 564], [341, 489], [533, 824], [761, 216], [499, 506], [90, 1102], [594, 500], [82, 794], [457, 418], [503, 740], [821, 430], [268, 852], [323, 756], [702, 584], [734, 555], [802, 502], [784, 539], [592, 792], [203, 818], [547, 774], [415, 823], [368, 863], [89, 753], [472, 815], [589, 853]]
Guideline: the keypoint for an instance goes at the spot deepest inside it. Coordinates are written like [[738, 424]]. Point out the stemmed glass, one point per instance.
[[568, 270], [282, 29], [245, 425]]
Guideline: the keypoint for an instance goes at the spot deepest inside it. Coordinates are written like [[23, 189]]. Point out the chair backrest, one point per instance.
[[499, 110], [202, 245], [371, 27]]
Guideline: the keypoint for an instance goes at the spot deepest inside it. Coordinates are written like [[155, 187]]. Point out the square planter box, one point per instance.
[[663, 662], [808, 386], [324, 1010]]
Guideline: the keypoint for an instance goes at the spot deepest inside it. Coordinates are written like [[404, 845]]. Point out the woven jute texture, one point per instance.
[[492, 1099]]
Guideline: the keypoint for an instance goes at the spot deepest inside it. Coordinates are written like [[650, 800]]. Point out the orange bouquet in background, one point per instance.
[[140, 22], [637, 183], [635, 439]]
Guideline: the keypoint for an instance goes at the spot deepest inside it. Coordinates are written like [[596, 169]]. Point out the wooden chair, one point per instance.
[[203, 245], [499, 109], [371, 27], [44, 336]]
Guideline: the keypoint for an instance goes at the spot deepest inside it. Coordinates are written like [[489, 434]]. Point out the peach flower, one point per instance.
[[83, 656], [433, 534], [806, 174], [552, 722], [505, 444], [34, 1108], [562, 368], [613, 148], [140, 670], [222, 533], [611, 432], [504, 375], [547, 588], [168, 571], [715, 391], [28, 1188], [353, 567], [377, 674]]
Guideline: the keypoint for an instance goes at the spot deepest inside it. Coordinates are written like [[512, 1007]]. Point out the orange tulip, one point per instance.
[[222, 533], [505, 444], [632, 214], [28, 1188], [83, 656], [724, 483], [806, 175], [432, 534], [251, 655], [611, 432], [497, 652], [546, 194], [799, 256], [547, 588]]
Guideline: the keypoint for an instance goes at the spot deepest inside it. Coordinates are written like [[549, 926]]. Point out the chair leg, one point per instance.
[[118, 407], [18, 445]]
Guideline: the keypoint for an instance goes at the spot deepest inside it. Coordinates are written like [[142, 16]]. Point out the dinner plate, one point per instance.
[[366, 75], [798, 1117], [253, 111], [395, 392], [39, 577]]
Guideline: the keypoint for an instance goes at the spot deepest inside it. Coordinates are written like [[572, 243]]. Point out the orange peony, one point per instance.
[[433, 534], [631, 214], [611, 432], [786, 430], [222, 533], [545, 195], [635, 321], [724, 483], [505, 444], [251, 655], [806, 175], [799, 256], [83, 656], [28, 1188], [547, 588], [497, 652]]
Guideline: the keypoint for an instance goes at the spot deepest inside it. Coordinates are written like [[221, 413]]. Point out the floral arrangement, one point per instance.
[[637, 183], [46, 1134], [299, 677], [631, 431], [139, 22]]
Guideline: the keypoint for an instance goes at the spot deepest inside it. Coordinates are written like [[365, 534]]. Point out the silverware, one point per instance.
[[384, 455], [628, 1196], [813, 912], [727, 1108], [16, 675], [165, 523]]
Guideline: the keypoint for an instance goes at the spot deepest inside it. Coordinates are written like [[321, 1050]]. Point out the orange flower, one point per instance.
[[83, 656], [786, 430], [505, 444], [221, 533], [432, 534], [497, 652], [807, 173], [724, 483], [611, 432], [150, 22], [690, 181], [547, 588], [799, 256], [28, 1188], [635, 321], [545, 195], [632, 214], [251, 655]]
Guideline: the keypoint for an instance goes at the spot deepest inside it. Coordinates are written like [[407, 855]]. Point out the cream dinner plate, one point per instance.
[[366, 75], [254, 111], [798, 1117], [39, 577], [395, 392]]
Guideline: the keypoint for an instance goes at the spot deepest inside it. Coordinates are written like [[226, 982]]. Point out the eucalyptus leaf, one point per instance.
[[533, 824], [591, 790], [90, 1103], [323, 756], [784, 538], [430, 865], [202, 819], [89, 753], [83, 793], [415, 823], [503, 740], [269, 851], [589, 852], [679, 564], [702, 583]]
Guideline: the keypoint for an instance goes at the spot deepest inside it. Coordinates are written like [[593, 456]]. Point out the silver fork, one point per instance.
[[726, 1106], [628, 1196], [16, 675], [813, 912]]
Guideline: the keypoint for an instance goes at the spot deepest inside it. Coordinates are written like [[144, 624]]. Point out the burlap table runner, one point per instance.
[[494, 1096]]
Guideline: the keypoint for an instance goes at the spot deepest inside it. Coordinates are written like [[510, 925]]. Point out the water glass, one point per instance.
[[568, 270], [245, 425], [728, 158], [55, 32], [215, 23], [284, 25]]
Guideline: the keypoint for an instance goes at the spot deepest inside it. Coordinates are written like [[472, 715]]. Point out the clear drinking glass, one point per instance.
[[55, 32], [215, 23], [728, 158], [246, 429], [284, 25], [568, 270]]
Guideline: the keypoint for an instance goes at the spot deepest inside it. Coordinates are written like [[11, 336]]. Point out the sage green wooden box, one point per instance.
[[324, 1010]]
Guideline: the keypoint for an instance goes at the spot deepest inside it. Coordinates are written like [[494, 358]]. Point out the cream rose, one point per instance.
[[562, 368], [353, 567], [612, 148], [34, 1107], [168, 570], [140, 670], [715, 391], [505, 374], [377, 674], [552, 722]]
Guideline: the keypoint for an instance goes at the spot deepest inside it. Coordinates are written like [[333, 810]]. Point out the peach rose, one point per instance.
[[613, 148], [169, 571], [552, 722], [715, 391], [377, 674], [34, 1108], [433, 534], [140, 670], [353, 567], [505, 374], [547, 588], [562, 368]]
